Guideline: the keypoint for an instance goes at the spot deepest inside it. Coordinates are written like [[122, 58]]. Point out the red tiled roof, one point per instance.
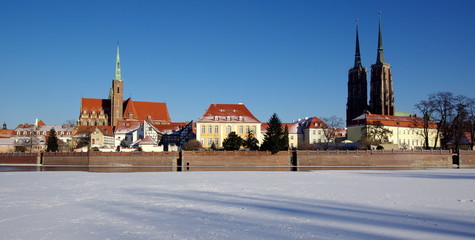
[[170, 126], [389, 120], [156, 111], [313, 122], [106, 130], [128, 125], [96, 104], [291, 127], [233, 113], [6, 133], [41, 123]]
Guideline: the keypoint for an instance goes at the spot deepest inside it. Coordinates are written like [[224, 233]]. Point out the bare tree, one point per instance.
[[375, 133], [443, 113], [330, 128], [426, 109]]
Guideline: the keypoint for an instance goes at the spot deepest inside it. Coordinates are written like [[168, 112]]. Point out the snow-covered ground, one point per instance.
[[422, 204]]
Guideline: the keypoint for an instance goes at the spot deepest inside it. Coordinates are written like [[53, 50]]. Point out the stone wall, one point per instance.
[[235, 160], [112, 159], [19, 158], [382, 158], [467, 158]]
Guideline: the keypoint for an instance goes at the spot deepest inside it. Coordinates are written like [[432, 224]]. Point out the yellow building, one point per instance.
[[221, 119], [405, 132]]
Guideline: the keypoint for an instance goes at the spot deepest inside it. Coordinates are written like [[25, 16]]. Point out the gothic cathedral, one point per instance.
[[381, 85]]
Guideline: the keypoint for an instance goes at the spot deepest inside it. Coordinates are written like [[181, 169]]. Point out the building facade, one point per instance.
[[108, 112], [405, 132], [221, 119]]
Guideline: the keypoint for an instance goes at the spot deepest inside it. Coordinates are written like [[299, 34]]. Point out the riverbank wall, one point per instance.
[[196, 160]]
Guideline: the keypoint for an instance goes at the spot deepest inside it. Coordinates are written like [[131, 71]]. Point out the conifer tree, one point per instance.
[[251, 142], [275, 139], [233, 142], [52, 141]]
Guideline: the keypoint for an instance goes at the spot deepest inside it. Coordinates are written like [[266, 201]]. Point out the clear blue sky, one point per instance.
[[287, 57]]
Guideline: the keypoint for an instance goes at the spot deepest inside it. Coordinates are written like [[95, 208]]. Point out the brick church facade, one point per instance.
[[108, 112], [381, 85]]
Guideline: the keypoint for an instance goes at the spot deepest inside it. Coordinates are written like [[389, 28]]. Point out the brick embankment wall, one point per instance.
[[112, 159], [66, 158], [125, 159], [235, 160], [19, 158], [467, 158], [382, 158]]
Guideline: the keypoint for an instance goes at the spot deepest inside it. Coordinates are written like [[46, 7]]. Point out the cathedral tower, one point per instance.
[[381, 93], [357, 87], [116, 94]]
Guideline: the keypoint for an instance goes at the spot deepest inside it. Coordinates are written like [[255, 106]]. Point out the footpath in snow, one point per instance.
[[419, 204]]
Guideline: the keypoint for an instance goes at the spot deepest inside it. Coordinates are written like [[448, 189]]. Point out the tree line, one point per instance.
[[454, 116]]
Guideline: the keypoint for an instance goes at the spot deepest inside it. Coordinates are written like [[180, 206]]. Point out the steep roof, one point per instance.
[[127, 126], [390, 120], [6, 133], [95, 104], [106, 130], [232, 113], [293, 128], [174, 126], [155, 111]]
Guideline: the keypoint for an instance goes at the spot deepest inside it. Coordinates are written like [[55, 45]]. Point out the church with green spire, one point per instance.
[[111, 111]]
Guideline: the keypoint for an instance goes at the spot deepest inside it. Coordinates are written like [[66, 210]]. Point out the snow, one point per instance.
[[342, 204]]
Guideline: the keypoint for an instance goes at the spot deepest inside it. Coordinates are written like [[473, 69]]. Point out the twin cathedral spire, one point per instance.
[[381, 86]]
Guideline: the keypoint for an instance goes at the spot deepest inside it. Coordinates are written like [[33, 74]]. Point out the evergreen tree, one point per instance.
[[233, 142], [275, 139], [251, 142], [52, 141]]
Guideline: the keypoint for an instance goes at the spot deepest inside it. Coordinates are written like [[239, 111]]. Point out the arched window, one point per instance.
[[241, 129], [228, 129], [203, 129], [247, 129], [216, 129], [210, 129]]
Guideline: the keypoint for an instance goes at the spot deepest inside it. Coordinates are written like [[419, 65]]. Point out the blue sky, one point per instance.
[[287, 57]]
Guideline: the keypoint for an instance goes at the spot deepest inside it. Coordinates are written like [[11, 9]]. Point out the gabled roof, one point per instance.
[[82, 130], [312, 122], [6, 133], [174, 126], [390, 120], [232, 113], [127, 126], [95, 104], [155, 111], [293, 128]]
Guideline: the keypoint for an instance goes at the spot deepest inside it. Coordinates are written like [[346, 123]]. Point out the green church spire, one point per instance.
[[380, 56], [117, 66]]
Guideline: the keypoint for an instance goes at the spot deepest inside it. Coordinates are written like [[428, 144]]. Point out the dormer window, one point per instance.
[[228, 118], [240, 118], [216, 118]]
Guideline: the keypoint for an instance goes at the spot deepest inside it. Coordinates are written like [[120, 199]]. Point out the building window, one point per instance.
[[254, 130], [216, 140], [241, 130], [216, 129], [203, 129], [247, 129], [210, 141], [314, 132], [210, 129], [202, 141], [228, 129], [291, 137]]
